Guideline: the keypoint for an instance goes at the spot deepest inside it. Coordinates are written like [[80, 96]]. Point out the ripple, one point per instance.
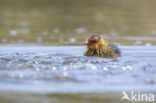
[[44, 66]]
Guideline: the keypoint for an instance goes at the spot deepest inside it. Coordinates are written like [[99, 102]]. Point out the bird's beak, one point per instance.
[[86, 42]]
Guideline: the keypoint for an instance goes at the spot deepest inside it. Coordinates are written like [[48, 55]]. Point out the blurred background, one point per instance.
[[70, 22]]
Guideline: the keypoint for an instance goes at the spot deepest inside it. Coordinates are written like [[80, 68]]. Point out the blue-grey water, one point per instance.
[[64, 69]]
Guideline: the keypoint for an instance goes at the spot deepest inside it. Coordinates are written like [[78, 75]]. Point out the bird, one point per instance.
[[98, 47]]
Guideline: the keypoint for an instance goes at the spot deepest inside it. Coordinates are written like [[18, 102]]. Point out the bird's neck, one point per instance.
[[101, 44]]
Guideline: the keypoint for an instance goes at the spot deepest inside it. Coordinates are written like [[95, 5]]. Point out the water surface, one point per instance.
[[64, 70]]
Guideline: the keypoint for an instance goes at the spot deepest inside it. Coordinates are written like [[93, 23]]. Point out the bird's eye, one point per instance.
[[94, 41]]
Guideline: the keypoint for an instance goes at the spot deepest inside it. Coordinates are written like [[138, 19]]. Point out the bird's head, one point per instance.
[[95, 41]]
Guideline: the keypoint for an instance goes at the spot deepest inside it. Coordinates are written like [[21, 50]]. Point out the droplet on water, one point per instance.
[[21, 66], [123, 68], [72, 40], [138, 42], [91, 66], [53, 68], [126, 68], [114, 65], [80, 30], [20, 41], [37, 69], [39, 39], [148, 44], [105, 68], [4, 40], [56, 30], [16, 75], [129, 68], [14, 32], [64, 68], [65, 74]]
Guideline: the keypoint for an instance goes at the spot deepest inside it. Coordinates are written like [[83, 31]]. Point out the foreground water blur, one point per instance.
[[62, 74]]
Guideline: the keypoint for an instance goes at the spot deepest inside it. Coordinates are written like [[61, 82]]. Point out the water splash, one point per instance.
[[67, 69]]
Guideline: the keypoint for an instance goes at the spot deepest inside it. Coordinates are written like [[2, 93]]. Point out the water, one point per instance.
[[53, 72], [70, 22], [46, 74]]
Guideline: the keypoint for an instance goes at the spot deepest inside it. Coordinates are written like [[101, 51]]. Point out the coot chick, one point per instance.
[[98, 47]]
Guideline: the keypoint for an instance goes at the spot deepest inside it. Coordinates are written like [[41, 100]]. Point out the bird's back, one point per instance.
[[115, 50], [111, 51]]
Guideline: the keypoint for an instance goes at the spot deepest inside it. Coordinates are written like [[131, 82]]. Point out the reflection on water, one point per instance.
[[70, 22]]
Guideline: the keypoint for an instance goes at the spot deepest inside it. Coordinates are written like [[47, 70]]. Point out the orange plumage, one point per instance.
[[98, 47]]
